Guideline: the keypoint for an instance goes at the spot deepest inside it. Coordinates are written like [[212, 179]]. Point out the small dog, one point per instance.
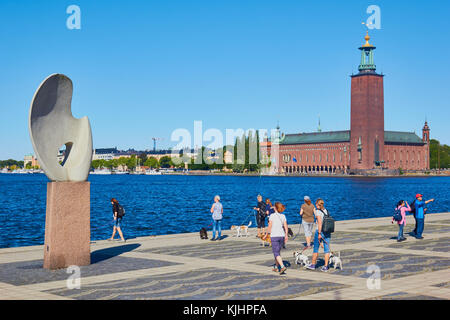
[[336, 260], [290, 233], [301, 259], [266, 239], [203, 233], [241, 230]]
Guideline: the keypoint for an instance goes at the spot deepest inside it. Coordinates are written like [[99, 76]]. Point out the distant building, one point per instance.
[[31, 160], [105, 154], [366, 146]]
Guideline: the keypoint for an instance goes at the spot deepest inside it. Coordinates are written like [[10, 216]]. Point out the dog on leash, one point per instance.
[[336, 260], [241, 230], [290, 233], [266, 240], [301, 259], [203, 234]]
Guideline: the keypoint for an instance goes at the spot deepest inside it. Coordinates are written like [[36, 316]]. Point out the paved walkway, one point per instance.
[[184, 267]]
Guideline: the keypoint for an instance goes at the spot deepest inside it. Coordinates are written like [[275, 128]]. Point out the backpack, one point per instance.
[[120, 211], [397, 215], [327, 223], [413, 207]]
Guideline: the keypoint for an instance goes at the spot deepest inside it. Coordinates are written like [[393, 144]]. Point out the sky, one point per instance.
[[143, 69]]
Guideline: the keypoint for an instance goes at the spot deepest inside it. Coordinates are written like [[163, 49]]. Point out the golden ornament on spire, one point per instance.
[[367, 38]]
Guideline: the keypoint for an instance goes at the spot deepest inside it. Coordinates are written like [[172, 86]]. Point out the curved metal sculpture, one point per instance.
[[52, 125]]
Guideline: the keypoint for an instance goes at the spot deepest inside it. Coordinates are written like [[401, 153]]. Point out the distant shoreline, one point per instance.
[[230, 174]]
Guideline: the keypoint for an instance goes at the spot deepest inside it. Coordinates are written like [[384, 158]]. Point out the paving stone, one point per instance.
[[209, 283]]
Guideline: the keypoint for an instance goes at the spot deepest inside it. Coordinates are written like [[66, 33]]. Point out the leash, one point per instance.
[[299, 228], [248, 217]]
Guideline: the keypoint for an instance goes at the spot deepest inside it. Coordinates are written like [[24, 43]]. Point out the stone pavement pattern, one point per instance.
[[185, 267]]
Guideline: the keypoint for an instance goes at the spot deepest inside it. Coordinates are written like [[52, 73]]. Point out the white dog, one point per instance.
[[336, 260], [301, 259], [241, 230]]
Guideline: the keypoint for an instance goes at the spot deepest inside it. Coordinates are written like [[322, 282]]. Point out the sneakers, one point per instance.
[[213, 239], [311, 267], [283, 270], [401, 240], [324, 269], [420, 238]]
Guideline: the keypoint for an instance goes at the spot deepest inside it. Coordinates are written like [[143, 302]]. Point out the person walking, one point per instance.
[[269, 208], [403, 207], [217, 215], [307, 214], [260, 216], [420, 214], [117, 215], [278, 230], [320, 236]]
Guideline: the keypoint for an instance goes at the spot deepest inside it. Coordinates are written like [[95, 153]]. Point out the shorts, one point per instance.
[[261, 221], [117, 222], [326, 245], [277, 244], [308, 227]]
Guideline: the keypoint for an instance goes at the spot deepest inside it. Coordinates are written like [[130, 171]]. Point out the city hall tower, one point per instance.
[[367, 114]]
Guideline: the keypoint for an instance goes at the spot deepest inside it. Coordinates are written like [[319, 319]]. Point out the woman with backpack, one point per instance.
[[217, 215], [401, 210], [320, 236], [117, 215]]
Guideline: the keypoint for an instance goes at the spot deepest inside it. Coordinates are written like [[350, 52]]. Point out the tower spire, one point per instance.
[[367, 63]]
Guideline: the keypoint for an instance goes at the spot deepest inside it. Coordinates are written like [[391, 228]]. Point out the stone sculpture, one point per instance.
[[51, 125]]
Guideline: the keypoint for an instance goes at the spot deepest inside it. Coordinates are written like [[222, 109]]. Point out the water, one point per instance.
[[176, 204]]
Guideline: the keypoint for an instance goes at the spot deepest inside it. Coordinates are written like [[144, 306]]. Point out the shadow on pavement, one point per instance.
[[107, 253]]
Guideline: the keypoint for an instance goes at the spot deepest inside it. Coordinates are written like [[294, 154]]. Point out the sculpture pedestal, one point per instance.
[[67, 225]]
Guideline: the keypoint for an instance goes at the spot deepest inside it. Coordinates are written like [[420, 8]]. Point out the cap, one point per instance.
[[418, 195], [306, 198]]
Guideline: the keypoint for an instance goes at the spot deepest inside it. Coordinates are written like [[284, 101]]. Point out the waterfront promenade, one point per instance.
[[182, 266]]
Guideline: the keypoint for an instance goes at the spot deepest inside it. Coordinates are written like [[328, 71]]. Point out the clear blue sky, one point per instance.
[[142, 69]]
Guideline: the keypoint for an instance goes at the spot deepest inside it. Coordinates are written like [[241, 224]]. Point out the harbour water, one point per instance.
[[167, 204]]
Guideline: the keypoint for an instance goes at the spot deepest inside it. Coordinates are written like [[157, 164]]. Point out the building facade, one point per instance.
[[365, 147]]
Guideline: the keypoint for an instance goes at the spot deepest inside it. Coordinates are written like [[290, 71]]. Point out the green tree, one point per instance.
[[152, 162], [165, 162], [131, 162], [142, 158], [439, 155]]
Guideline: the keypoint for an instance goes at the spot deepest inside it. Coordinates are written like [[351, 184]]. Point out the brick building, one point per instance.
[[365, 147]]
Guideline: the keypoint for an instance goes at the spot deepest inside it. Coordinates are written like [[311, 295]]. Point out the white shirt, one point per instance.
[[320, 214], [278, 220]]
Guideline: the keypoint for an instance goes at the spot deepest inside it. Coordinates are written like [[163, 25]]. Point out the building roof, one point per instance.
[[394, 137], [390, 137], [316, 137]]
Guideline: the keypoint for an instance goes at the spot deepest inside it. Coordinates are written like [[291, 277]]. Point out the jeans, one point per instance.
[[420, 226], [400, 231], [326, 243], [217, 224]]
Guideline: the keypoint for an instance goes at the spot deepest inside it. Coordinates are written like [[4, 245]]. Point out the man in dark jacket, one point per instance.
[[260, 216]]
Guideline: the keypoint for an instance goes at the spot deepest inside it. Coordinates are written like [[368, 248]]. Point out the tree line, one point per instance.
[[439, 155]]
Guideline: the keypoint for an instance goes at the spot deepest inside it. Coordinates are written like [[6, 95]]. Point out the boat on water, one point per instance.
[[120, 172], [20, 171], [152, 172], [101, 171], [4, 170]]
